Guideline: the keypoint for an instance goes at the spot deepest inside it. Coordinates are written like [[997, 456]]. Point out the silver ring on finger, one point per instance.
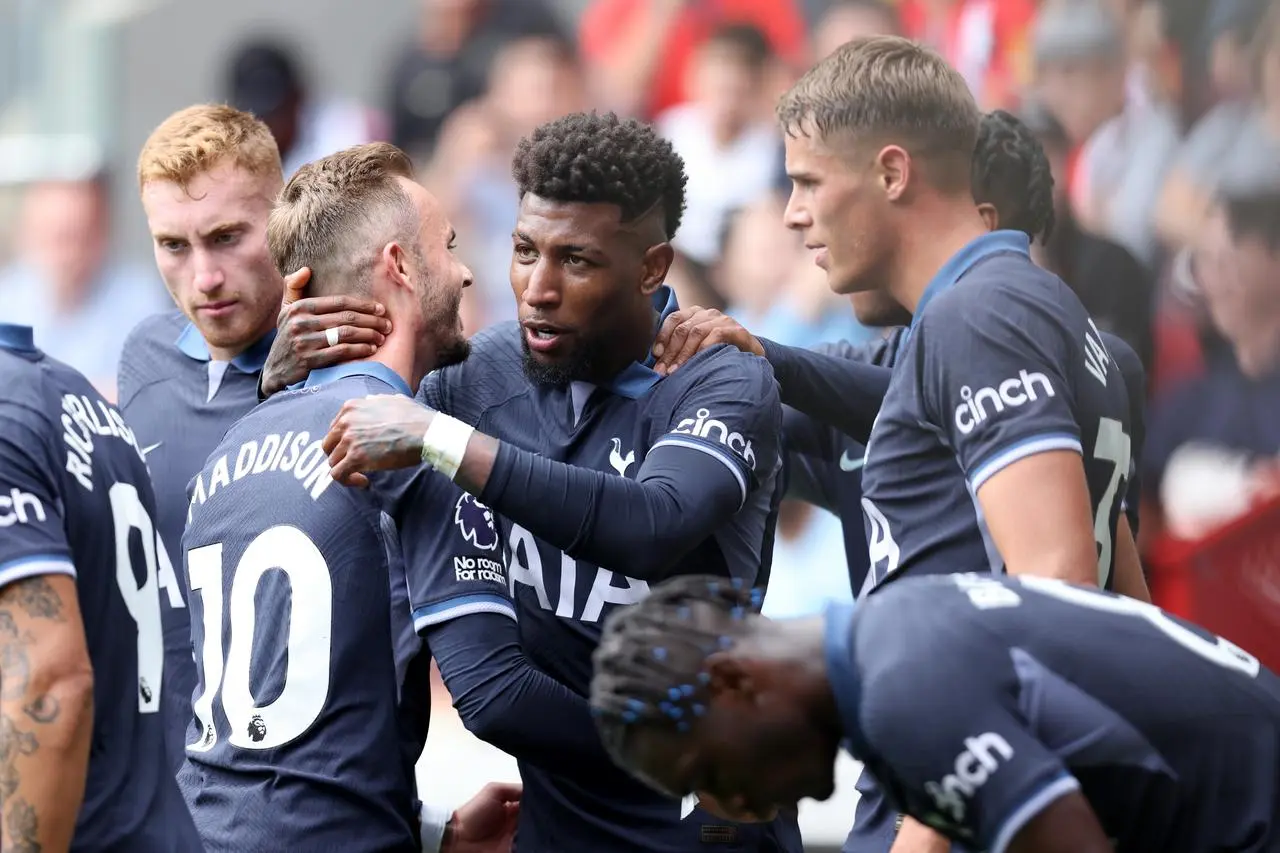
[[331, 335]]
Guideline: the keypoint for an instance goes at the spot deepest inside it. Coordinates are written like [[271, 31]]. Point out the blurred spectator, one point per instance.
[[1123, 163], [771, 284], [730, 148], [845, 20], [985, 40], [1113, 286], [263, 78], [1233, 149], [1212, 441], [62, 282], [639, 51], [450, 60], [534, 79], [1231, 26], [1080, 73]]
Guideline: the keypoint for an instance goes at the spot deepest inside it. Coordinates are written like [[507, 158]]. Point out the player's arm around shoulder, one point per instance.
[[995, 385], [724, 405]]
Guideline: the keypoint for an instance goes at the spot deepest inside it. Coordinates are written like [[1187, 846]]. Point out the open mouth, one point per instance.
[[543, 337]]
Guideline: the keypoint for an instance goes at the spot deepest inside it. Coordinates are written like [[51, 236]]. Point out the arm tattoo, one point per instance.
[[13, 743], [43, 709], [36, 597], [21, 827], [15, 670]]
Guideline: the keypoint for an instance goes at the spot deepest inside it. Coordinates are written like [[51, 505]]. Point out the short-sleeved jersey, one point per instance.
[[722, 403], [299, 739], [75, 499], [1171, 734], [1001, 362], [179, 404]]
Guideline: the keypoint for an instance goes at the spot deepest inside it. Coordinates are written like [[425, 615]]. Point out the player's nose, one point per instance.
[[796, 216], [208, 275], [543, 289]]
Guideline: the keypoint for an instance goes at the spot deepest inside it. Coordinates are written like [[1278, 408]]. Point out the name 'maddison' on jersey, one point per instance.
[[1001, 363], [75, 499], [294, 623], [1050, 688], [709, 433]]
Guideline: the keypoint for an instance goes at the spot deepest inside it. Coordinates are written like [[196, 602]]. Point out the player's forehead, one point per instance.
[[433, 220], [222, 194], [556, 224], [811, 155]]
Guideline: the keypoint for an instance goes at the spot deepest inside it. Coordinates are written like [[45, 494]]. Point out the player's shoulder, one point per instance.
[[996, 284], [492, 373], [150, 338], [1126, 359], [145, 352], [32, 384], [728, 367]]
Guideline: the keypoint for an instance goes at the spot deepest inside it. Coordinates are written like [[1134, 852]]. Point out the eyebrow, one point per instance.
[[220, 228], [567, 248]]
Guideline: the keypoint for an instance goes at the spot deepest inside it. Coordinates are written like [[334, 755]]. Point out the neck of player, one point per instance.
[[634, 343], [410, 359], [939, 229]]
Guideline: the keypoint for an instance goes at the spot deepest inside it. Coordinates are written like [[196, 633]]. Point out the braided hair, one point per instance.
[[594, 158], [649, 664], [1011, 172]]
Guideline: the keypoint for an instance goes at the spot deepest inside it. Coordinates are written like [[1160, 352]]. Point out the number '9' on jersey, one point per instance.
[[75, 499]]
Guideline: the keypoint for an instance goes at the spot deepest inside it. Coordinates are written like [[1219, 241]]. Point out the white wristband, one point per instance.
[[433, 820], [445, 444]]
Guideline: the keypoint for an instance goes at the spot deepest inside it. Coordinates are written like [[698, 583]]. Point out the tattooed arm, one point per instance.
[[46, 713]]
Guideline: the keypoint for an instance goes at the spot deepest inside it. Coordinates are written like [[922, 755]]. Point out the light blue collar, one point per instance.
[[376, 369], [251, 360], [964, 260], [637, 378], [17, 338]]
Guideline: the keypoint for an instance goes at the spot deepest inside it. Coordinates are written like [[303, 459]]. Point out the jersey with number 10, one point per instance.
[[75, 499], [1001, 362], [296, 738]]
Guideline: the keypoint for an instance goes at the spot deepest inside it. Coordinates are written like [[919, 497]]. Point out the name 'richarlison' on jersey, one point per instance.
[[296, 454], [82, 419]]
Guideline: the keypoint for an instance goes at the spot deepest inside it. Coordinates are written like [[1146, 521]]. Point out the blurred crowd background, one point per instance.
[[1161, 119]]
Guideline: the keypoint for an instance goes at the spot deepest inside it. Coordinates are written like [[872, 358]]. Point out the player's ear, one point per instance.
[[990, 216], [730, 678], [893, 171], [656, 264], [394, 261]]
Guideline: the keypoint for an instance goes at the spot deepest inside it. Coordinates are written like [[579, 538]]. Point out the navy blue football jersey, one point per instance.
[[723, 405], [824, 465], [75, 499], [299, 739], [1001, 362], [179, 404], [978, 701]]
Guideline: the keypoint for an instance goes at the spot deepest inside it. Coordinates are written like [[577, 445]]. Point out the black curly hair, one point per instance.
[[649, 663], [1011, 172], [600, 158]]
